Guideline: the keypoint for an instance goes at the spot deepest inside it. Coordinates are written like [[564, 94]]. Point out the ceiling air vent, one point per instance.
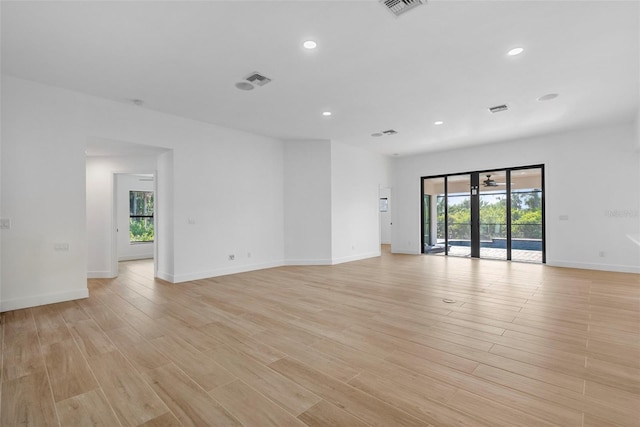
[[257, 79], [389, 132], [398, 7], [499, 108]]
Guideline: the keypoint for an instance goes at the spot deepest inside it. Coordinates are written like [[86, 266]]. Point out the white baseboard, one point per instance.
[[307, 262], [34, 301], [134, 257], [165, 276], [100, 275], [358, 257], [600, 267], [179, 278], [404, 251]]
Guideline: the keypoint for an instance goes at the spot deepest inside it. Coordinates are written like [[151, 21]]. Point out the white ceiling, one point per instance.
[[445, 60]]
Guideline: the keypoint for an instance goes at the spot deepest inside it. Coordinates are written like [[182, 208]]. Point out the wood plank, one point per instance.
[[237, 397], [199, 367], [22, 356], [133, 401], [142, 355], [87, 409], [68, 370], [91, 340], [284, 392], [352, 400], [27, 401], [50, 324], [189, 402], [427, 405], [324, 413], [165, 420]]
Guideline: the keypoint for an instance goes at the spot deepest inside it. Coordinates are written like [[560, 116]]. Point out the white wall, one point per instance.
[[43, 192], [356, 177], [591, 175], [307, 202], [126, 183]]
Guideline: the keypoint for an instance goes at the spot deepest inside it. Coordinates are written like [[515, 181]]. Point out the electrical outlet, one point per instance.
[[248, 254], [5, 224], [601, 254], [232, 257]]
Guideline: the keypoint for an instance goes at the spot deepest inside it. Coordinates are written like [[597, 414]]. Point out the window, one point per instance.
[[141, 216]]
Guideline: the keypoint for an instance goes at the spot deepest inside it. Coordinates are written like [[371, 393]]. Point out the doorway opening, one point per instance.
[[135, 220], [493, 214]]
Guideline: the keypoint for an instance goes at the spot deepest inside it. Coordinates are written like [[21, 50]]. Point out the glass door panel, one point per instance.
[[459, 215], [526, 215], [493, 214], [433, 211]]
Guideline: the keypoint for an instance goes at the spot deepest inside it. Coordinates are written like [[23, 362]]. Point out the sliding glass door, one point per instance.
[[496, 214]]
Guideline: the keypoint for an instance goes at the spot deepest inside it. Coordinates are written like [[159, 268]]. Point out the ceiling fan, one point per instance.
[[491, 182]]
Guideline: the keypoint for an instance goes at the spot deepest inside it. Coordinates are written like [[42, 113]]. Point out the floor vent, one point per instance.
[[398, 7]]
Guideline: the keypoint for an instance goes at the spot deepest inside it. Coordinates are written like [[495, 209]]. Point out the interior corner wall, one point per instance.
[[356, 178], [307, 202], [591, 177], [100, 207]]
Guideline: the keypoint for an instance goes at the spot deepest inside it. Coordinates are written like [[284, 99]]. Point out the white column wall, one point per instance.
[[307, 202], [356, 178], [43, 193]]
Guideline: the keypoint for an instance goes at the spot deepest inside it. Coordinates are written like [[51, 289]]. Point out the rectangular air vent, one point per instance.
[[257, 78], [499, 108], [398, 7]]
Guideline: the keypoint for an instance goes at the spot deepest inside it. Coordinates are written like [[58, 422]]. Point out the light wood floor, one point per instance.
[[364, 343]]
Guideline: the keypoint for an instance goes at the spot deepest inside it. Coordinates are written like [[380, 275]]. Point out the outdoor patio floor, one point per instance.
[[494, 253]]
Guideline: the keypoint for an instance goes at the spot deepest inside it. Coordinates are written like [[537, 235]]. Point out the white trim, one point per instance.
[[34, 301], [351, 258], [179, 278], [165, 276], [100, 275], [135, 257], [294, 262], [405, 251], [598, 267]]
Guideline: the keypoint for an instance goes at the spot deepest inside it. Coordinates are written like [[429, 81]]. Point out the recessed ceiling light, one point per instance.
[[326, 113], [244, 86], [548, 97], [438, 123], [515, 51], [310, 44]]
